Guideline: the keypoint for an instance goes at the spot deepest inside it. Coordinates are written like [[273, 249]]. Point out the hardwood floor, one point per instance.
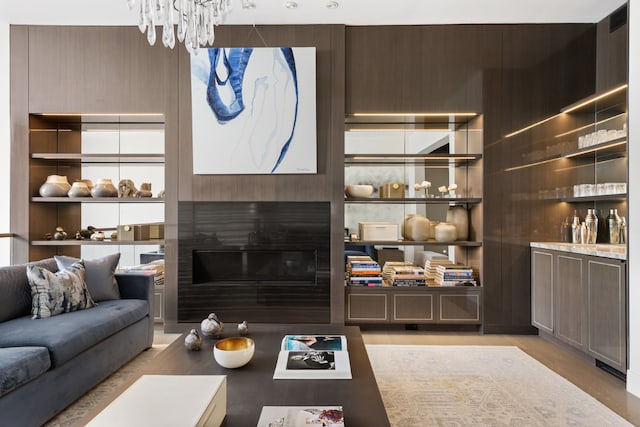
[[570, 364]]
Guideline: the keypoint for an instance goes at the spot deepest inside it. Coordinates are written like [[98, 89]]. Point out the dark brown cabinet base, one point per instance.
[[413, 305]]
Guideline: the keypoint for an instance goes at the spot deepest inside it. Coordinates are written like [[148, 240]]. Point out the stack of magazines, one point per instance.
[[398, 273], [363, 271], [455, 275]]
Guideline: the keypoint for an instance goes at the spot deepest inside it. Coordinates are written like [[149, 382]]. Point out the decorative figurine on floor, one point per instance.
[[212, 327], [193, 341], [243, 328]]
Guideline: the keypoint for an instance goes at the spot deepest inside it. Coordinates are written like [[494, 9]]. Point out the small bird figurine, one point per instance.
[[193, 341], [243, 328]]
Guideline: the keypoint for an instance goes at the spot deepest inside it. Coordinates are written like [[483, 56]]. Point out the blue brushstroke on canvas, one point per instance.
[[231, 72]]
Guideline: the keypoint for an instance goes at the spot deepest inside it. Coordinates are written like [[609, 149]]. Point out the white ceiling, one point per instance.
[[350, 12]]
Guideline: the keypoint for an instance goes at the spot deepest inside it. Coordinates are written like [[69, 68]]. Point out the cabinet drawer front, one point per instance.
[[463, 308], [367, 307], [413, 307]]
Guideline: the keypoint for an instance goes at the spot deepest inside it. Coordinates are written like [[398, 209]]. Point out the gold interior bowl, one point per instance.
[[234, 352]]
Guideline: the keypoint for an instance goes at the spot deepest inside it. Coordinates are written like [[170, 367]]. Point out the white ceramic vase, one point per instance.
[[416, 227], [446, 232], [104, 188], [459, 216], [55, 186], [79, 189]]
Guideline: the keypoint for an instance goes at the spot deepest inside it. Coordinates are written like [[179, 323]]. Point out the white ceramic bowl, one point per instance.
[[234, 352], [360, 190]]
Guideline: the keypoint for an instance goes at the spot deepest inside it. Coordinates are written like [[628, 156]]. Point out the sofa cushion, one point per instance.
[[15, 292], [56, 293], [69, 334], [99, 275], [19, 365]]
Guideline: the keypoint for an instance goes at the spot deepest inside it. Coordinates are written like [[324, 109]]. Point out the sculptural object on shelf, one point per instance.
[[104, 188], [126, 188], [145, 190], [243, 328], [55, 186], [60, 234]]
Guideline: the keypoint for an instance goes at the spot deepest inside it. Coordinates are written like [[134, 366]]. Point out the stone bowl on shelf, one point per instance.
[[358, 190], [234, 352]]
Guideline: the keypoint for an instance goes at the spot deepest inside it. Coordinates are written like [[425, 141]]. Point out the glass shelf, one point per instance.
[[402, 159], [431, 200], [413, 243], [73, 242], [606, 197], [101, 158]]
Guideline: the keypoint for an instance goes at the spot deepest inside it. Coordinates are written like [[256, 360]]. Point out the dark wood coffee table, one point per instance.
[[252, 386]]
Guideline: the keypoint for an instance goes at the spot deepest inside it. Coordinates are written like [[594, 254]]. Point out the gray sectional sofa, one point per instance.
[[46, 364]]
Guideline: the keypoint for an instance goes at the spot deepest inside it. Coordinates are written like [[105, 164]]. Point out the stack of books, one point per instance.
[[403, 274], [363, 271], [454, 275], [430, 267]]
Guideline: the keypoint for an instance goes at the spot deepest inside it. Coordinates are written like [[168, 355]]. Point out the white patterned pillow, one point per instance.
[[56, 293]]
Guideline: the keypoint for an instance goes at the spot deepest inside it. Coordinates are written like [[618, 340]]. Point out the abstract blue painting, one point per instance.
[[254, 110]]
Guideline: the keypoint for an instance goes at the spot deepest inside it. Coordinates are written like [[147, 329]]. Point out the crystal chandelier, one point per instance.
[[195, 19]]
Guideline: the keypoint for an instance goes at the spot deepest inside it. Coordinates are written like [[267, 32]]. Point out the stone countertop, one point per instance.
[[600, 249]]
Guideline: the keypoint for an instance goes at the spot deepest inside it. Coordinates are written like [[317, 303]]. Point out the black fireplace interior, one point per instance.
[[255, 261]]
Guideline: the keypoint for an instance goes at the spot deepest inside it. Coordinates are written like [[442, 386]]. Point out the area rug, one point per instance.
[[479, 386], [77, 410]]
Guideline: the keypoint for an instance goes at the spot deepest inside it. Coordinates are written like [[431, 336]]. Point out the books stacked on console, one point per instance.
[[454, 275], [430, 268], [363, 271], [155, 268], [399, 273]]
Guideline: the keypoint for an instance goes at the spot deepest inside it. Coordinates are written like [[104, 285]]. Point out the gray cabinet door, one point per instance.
[[570, 303], [607, 311], [367, 307], [542, 290]]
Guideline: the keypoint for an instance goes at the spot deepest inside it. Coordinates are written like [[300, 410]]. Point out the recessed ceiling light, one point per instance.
[[332, 5], [291, 5]]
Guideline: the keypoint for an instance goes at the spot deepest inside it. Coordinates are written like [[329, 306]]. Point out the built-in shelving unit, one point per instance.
[[407, 150], [90, 146]]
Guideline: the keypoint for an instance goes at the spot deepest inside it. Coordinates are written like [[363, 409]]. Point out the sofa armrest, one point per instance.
[[135, 286], [139, 286]]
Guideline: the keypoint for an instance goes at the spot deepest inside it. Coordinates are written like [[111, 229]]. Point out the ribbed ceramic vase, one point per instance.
[[55, 186], [459, 216]]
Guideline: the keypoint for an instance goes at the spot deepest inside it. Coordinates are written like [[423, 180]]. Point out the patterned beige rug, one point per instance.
[[479, 386]]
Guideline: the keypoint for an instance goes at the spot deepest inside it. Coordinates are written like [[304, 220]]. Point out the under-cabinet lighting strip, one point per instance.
[[579, 153], [593, 99], [400, 130], [465, 114], [532, 126], [443, 157], [528, 165], [589, 125], [101, 114]]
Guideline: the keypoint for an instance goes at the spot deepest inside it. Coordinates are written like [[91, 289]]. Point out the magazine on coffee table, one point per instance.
[[301, 416], [313, 357]]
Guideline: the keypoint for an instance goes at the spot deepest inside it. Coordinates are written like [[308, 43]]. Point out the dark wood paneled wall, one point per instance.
[[612, 51]]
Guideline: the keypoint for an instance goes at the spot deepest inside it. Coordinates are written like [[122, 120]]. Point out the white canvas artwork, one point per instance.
[[254, 110]]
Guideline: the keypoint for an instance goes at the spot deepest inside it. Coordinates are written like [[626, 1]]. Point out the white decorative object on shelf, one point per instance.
[[360, 190], [55, 186]]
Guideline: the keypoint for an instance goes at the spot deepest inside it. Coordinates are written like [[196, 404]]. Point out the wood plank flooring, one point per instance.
[[573, 366]]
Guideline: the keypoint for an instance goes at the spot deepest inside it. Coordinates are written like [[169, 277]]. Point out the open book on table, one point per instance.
[[301, 416], [313, 357]]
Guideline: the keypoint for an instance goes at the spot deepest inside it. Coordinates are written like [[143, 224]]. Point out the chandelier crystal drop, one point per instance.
[[195, 19]]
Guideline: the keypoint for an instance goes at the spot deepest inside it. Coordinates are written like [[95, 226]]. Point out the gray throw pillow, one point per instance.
[[60, 292], [99, 277]]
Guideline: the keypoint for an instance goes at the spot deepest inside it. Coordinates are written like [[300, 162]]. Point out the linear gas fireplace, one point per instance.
[[254, 261]]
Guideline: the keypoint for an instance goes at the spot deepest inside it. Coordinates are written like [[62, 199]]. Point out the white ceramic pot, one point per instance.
[[416, 227], [104, 188], [79, 189], [446, 232], [459, 216], [55, 186], [234, 352], [362, 190]]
